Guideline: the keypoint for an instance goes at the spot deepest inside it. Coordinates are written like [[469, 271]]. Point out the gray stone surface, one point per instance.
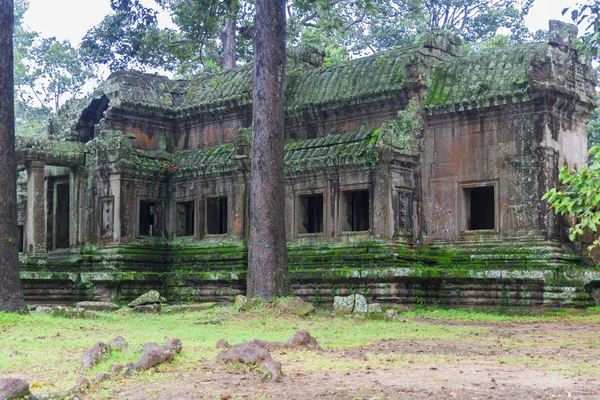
[[97, 306], [147, 308], [295, 305], [375, 308], [189, 307], [151, 297], [13, 388], [118, 343], [391, 313], [94, 355], [240, 302], [343, 303], [360, 304], [354, 303]]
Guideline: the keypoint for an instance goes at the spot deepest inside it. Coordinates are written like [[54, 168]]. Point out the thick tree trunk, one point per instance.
[[267, 259], [229, 41], [11, 297]]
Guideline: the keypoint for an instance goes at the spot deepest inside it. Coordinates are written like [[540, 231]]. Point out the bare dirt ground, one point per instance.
[[545, 360]]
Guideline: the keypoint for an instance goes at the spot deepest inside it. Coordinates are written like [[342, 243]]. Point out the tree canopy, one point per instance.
[[210, 34]]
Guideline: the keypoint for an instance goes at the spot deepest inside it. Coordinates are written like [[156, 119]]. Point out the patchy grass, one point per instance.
[[48, 349]]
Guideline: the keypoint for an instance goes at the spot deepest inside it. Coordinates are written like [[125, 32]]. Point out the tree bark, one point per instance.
[[229, 42], [11, 297], [267, 258]]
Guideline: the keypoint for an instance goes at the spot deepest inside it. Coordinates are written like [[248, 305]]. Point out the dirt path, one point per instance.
[[504, 361]]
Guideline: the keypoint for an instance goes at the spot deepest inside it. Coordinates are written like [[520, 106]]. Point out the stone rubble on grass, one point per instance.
[[188, 307], [150, 297], [118, 344], [94, 355], [97, 306], [295, 305], [354, 303], [257, 352], [252, 354], [147, 308], [13, 388]]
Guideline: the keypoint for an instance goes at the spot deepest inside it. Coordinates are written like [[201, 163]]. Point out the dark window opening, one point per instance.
[[355, 210], [481, 207], [62, 216], [20, 239], [147, 218], [310, 213], [185, 218], [216, 215]]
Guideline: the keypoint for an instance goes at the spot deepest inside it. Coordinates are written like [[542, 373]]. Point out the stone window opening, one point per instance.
[[310, 213], [480, 207], [354, 210], [185, 218], [216, 215], [147, 223]]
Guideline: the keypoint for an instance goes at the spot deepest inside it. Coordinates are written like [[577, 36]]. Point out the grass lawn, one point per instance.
[[436, 347]]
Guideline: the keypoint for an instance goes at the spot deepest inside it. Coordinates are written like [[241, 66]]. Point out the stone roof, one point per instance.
[[477, 78], [49, 151], [363, 79]]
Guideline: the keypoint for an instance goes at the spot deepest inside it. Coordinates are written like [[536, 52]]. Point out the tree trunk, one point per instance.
[[11, 297], [267, 259], [229, 48]]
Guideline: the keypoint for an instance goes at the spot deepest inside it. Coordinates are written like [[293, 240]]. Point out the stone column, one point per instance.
[[383, 216], [36, 208], [115, 191]]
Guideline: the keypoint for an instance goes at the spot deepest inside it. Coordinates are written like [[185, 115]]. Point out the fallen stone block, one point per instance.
[[13, 388], [94, 355], [295, 305], [252, 354], [97, 306]]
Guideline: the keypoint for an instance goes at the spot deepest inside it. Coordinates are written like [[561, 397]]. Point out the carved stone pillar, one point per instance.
[[115, 191], [36, 208]]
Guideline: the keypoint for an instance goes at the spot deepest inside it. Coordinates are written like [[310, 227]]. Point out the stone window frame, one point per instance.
[[463, 212], [185, 199], [354, 188], [308, 192], [101, 200], [204, 205]]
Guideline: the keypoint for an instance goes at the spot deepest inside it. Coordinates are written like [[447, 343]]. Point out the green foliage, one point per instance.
[[593, 127], [579, 197], [46, 71], [588, 14]]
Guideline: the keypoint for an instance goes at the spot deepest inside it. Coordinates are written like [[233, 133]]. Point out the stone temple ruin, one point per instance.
[[413, 175]]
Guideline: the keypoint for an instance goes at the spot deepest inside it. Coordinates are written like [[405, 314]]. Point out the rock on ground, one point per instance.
[[343, 303], [118, 343], [252, 354], [97, 306], [147, 308], [189, 307], [13, 388], [355, 303], [154, 357], [303, 341], [94, 355], [295, 305], [150, 297]]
